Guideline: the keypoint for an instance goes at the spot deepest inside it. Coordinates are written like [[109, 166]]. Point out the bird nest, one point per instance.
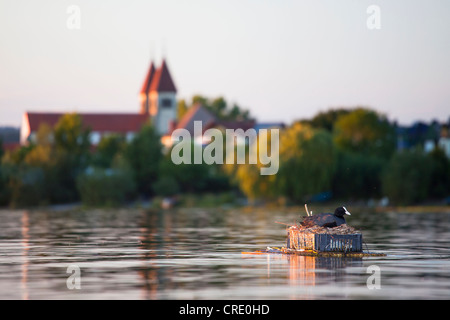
[[342, 238], [342, 229]]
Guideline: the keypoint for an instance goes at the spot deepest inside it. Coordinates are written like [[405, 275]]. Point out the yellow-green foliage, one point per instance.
[[306, 159]]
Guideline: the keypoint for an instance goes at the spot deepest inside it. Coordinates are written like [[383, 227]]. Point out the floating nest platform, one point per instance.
[[313, 253], [338, 239], [341, 241], [316, 241]]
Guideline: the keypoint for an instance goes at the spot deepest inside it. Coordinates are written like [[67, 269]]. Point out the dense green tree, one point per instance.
[[181, 109], [252, 184], [365, 132], [26, 185], [407, 177], [45, 171], [26, 169], [190, 177], [307, 162], [3, 188], [4, 195], [4, 191], [72, 149], [42, 152], [22, 184], [200, 99], [166, 186], [327, 119], [357, 176], [221, 109], [43, 155], [107, 186], [107, 149], [440, 174], [18, 155], [71, 136], [306, 166], [144, 154]]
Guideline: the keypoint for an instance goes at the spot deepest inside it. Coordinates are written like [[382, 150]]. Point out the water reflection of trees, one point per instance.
[[167, 236], [25, 228], [186, 252], [155, 240]]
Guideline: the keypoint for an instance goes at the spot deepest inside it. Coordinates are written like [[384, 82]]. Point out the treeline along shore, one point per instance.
[[342, 154]]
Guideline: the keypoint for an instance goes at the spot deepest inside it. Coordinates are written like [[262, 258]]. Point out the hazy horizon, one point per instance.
[[283, 60]]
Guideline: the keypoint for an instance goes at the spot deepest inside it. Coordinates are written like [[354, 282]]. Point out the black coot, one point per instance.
[[328, 220]]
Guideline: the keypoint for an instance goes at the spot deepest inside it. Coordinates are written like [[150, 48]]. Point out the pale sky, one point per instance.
[[283, 60]]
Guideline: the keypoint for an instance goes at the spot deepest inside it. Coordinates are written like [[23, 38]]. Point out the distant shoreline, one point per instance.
[[318, 207], [416, 209]]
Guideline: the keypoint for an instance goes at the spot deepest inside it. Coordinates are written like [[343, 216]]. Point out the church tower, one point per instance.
[[145, 91], [158, 97]]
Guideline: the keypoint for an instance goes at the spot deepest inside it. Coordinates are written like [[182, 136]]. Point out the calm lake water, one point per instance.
[[196, 254]]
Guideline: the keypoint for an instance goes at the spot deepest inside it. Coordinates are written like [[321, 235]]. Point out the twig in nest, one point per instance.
[[307, 212], [283, 223]]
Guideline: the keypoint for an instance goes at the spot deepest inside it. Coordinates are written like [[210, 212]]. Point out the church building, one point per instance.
[[158, 97], [157, 104]]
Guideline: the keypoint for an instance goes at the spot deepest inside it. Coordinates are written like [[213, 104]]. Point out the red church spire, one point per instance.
[[159, 81], [148, 80], [162, 80]]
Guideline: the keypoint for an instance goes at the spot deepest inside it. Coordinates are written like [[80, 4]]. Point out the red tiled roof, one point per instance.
[[196, 113], [162, 81], [199, 113], [100, 122], [10, 146]]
